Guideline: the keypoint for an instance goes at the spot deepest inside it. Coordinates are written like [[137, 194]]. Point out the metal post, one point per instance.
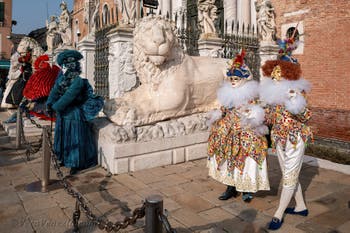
[[154, 206], [18, 128], [46, 160]]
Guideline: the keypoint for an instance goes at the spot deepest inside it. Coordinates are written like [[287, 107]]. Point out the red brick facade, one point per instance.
[[325, 60], [5, 31]]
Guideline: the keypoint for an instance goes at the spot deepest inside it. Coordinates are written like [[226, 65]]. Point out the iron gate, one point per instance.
[[101, 61], [245, 37]]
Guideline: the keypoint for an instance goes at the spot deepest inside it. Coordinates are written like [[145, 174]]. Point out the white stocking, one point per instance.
[[299, 199], [286, 196]]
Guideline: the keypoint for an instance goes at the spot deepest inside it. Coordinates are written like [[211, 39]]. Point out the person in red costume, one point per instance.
[[39, 86]]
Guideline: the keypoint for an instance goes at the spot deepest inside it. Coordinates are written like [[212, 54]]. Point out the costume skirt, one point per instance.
[[252, 179], [74, 142]]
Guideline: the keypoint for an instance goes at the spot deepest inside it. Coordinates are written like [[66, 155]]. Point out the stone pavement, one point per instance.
[[189, 195]]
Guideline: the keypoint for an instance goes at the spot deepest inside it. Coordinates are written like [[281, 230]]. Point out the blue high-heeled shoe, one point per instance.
[[292, 211], [275, 224]]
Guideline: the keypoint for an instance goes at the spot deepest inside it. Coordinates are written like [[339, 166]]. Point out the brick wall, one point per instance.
[[325, 60], [331, 123]]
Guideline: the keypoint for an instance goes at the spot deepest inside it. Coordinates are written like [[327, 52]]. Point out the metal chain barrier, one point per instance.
[[163, 217], [81, 202]]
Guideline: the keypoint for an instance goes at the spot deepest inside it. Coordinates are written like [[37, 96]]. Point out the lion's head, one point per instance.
[[155, 47]]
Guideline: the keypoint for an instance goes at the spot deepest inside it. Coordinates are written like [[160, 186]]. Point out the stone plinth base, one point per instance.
[[209, 45], [125, 157]]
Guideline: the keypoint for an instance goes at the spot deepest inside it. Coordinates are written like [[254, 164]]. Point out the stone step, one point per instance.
[[28, 131], [4, 139]]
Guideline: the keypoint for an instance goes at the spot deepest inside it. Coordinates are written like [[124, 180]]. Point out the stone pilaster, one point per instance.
[[87, 48], [268, 51], [122, 75], [230, 13]]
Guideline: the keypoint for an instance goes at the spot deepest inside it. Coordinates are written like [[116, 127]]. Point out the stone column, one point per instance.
[[209, 46], [166, 7], [243, 12], [230, 13], [122, 75], [268, 51], [239, 11], [246, 12], [252, 13], [87, 48]]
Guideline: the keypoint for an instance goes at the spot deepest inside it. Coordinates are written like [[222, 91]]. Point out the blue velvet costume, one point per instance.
[[74, 142]]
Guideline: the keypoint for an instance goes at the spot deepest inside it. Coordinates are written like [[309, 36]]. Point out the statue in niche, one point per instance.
[[64, 26], [206, 16], [128, 9], [52, 30], [266, 20]]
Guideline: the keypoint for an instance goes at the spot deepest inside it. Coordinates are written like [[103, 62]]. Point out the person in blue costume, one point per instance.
[[74, 142]]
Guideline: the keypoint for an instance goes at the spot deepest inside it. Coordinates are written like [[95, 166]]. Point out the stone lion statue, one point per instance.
[[172, 84]]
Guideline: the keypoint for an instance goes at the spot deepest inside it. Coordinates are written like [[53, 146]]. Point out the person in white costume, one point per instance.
[[283, 91], [237, 146]]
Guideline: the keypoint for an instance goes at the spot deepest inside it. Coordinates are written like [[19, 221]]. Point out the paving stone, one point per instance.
[[50, 220], [146, 176], [162, 171], [215, 215], [344, 228], [175, 179], [286, 228], [9, 197], [311, 227], [332, 219], [195, 172], [170, 204], [171, 191], [26, 195], [260, 204], [212, 197], [118, 191], [63, 199], [11, 211], [188, 217], [180, 228], [234, 225], [195, 203], [130, 182], [234, 207], [17, 225], [194, 187], [39, 203]]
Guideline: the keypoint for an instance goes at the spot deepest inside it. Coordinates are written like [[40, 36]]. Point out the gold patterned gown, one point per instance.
[[237, 154]]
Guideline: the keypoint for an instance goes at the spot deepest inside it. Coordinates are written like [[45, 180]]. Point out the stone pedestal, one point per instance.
[[209, 45], [122, 75], [268, 51], [153, 146], [87, 48]]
